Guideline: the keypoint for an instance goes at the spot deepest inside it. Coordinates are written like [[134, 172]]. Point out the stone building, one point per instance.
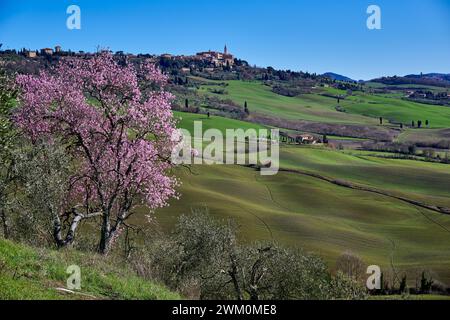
[[219, 59]]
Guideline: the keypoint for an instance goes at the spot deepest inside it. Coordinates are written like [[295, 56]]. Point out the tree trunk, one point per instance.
[[70, 236], [254, 293], [234, 277], [105, 244], [110, 231], [4, 223], [106, 235]]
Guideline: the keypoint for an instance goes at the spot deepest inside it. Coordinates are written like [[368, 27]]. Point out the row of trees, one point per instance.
[[419, 123], [413, 123], [392, 282]]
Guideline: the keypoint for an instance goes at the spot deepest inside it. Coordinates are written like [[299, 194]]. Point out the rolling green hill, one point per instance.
[[397, 110], [418, 180], [305, 211], [426, 136], [312, 107], [186, 121], [360, 108]]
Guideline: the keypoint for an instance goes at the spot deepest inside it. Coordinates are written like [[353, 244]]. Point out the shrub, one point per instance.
[[205, 254], [351, 265]]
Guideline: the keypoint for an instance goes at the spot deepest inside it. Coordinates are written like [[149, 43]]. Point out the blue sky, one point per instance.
[[308, 35]]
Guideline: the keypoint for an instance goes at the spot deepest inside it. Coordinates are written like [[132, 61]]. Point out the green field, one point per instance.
[[424, 181], [304, 211], [319, 216], [361, 108], [312, 107], [186, 121], [298, 209], [397, 110], [378, 85], [425, 135]]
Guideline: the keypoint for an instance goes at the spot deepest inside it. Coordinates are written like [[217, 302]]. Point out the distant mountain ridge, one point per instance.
[[436, 76], [338, 77], [428, 79]]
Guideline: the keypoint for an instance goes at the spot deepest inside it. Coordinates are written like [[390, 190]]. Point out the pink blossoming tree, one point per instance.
[[117, 123]]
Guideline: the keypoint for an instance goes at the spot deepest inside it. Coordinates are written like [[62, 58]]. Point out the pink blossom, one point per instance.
[[119, 134]]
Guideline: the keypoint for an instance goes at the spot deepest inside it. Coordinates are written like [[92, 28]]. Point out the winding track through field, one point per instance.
[[394, 247], [433, 221], [355, 186], [260, 219], [269, 230], [271, 195], [419, 205]]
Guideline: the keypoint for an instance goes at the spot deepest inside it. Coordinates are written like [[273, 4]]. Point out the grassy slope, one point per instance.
[[319, 216], [361, 108], [414, 179], [418, 180], [186, 121], [311, 107], [30, 273], [325, 218], [377, 85], [397, 110], [425, 135]]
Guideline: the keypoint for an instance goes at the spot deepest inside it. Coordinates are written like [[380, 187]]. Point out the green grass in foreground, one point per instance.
[[34, 274]]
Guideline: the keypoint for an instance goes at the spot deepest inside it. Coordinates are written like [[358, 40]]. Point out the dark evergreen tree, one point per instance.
[[425, 284], [403, 287], [246, 108]]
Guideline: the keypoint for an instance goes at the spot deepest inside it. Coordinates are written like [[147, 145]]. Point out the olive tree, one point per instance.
[[7, 134], [209, 252]]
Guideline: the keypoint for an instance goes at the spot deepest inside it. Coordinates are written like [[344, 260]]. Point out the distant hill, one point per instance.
[[430, 76], [339, 77], [429, 79]]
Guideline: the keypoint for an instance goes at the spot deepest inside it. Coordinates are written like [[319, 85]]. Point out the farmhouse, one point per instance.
[[297, 138], [306, 139]]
